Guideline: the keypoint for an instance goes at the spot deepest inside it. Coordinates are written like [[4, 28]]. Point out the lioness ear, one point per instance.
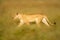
[[16, 13], [55, 23]]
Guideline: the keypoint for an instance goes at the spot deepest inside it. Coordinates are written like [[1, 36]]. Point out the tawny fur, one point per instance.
[[27, 18]]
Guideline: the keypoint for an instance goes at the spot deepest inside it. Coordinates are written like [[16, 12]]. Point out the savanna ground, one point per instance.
[[9, 29]]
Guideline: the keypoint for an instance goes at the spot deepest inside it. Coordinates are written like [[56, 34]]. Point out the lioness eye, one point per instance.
[[16, 13]]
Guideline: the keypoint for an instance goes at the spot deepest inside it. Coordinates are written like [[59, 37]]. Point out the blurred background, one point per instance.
[[9, 29]]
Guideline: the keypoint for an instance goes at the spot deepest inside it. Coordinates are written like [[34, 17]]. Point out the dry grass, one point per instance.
[[9, 29]]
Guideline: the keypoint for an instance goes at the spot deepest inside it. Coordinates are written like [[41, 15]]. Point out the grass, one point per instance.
[[9, 29]]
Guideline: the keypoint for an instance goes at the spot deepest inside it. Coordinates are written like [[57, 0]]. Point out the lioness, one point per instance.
[[37, 18]]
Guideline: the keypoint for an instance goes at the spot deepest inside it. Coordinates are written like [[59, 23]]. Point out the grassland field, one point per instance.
[[9, 29]]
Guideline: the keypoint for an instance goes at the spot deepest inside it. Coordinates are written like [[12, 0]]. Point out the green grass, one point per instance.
[[9, 29]]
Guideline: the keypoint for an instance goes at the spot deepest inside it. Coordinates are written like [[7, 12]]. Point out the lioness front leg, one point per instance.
[[21, 23], [28, 23]]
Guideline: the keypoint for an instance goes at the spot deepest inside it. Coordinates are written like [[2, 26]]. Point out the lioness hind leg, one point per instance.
[[45, 22], [38, 22]]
